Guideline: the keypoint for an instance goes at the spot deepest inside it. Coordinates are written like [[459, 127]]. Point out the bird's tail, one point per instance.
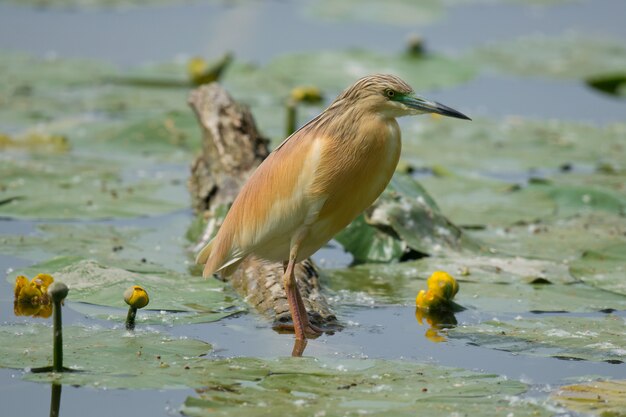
[[216, 256]]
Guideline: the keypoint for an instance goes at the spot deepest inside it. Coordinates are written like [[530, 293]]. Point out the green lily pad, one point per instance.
[[173, 136], [64, 186], [305, 387], [479, 202], [337, 70], [106, 358], [415, 217], [560, 240], [245, 386], [98, 241], [367, 243], [605, 398], [570, 55], [62, 92], [487, 283], [187, 299], [513, 149], [604, 268], [527, 170], [573, 338]]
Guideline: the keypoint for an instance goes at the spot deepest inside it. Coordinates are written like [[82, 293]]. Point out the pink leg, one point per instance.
[[299, 316]]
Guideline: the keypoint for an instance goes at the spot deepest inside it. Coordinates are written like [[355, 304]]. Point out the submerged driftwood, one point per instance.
[[232, 148]]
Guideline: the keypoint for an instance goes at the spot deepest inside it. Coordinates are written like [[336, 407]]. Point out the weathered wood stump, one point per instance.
[[232, 148]]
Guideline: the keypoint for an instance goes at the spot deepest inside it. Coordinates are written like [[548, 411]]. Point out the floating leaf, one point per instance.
[[106, 358], [415, 217], [305, 387], [404, 217], [570, 55], [604, 268], [512, 150], [64, 186], [370, 244], [173, 136], [599, 398], [494, 284], [201, 300], [336, 70], [62, 92], [572, 338], [560, 240], [479, 202]]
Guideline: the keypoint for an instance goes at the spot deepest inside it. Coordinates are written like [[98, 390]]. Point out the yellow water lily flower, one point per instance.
[[442, 288], [136, 297], [202, 72], [306, 94], [31, 297], [33, 291]]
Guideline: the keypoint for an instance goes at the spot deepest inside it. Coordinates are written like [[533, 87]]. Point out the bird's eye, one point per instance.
[[390, 93]]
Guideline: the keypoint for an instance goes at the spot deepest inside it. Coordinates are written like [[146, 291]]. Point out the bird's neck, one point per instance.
[[360, 125]]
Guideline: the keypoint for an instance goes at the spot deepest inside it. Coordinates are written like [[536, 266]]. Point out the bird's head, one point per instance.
[[390, 96]]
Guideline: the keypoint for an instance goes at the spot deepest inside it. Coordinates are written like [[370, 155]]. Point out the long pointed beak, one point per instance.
[[425, 106]]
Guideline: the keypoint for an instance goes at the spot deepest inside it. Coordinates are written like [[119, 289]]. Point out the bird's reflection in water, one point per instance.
[[437, 321]]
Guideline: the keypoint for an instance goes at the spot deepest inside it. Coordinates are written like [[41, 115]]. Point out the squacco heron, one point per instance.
[[316, 182]]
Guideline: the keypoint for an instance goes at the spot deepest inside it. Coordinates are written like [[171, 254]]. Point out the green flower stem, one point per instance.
[[130, 318], [57, 292], [290, 121], [57, 339]]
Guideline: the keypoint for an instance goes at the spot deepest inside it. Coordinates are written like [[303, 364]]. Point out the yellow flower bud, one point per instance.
[[442, 288], [306, 94], [58, 291], [196, 68], [443, 284], [136, 297]]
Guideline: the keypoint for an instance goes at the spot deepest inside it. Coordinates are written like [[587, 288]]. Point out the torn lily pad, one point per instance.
[[569, 338], [404, 219], [306, 387], [107, 358]]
